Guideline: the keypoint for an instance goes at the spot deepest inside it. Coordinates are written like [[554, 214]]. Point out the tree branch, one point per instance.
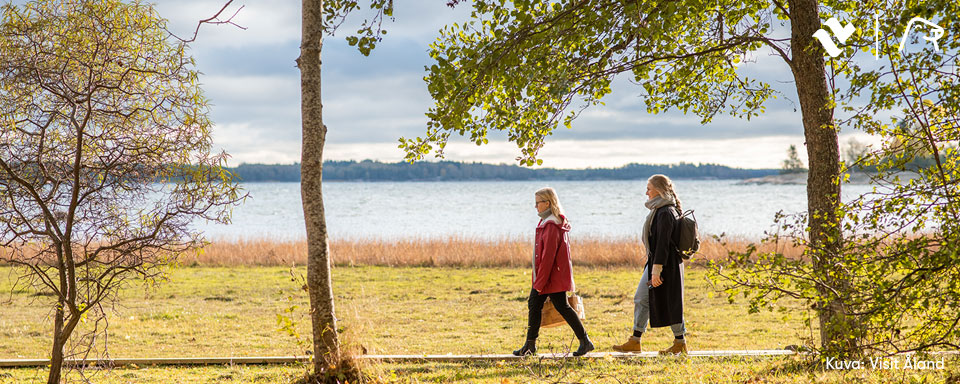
[[214, 20]]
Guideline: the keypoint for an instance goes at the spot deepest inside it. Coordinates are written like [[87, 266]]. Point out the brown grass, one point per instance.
[[450, 252]]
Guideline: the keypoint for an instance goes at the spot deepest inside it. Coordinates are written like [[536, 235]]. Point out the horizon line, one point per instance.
[[534, 168]]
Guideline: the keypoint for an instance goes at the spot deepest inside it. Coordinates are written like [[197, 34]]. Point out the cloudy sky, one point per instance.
[[369, 102]]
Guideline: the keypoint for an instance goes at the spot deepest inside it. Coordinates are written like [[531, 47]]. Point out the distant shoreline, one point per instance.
[[800, 178], [373, 171]]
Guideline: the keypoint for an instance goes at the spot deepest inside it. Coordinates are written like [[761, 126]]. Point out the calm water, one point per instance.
[[492, 209]]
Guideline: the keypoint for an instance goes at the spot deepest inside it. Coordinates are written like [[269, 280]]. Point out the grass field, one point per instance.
[[220, 311], [233, 311]]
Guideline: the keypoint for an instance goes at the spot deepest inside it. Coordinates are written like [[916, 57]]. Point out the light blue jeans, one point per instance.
[[641, 307]]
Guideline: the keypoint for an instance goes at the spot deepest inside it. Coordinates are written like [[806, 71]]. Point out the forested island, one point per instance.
[[368, 170]]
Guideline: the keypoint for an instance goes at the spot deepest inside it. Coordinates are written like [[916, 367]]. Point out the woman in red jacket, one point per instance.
[[552, 273]]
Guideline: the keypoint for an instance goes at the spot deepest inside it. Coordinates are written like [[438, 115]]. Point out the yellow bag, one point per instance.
[[549, 317]]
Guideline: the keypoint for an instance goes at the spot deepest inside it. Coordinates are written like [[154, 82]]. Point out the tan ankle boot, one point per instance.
[[679, 348], [632, 346]]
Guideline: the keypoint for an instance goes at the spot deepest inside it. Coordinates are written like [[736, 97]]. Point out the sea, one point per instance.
[[495, 210]]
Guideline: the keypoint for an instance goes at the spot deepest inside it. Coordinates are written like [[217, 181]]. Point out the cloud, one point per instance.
[[753, 152], [268, 106], [378, 109], [415, 20], [266, 22], [764, 152], [369, 102], [261, 89], [249, 143], [274, 59]]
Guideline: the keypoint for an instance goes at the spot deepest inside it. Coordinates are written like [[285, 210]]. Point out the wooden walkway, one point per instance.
[[592, 355], [387, 358], [449, 358]]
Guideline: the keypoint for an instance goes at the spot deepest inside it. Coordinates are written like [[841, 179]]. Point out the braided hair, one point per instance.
[[663, 185]]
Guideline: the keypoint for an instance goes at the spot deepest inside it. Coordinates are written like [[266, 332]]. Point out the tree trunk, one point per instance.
[[59, 337], [325, 340], [56, 356], [823, 187], [62, 331]]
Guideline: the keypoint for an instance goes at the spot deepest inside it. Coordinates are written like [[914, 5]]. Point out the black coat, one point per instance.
[[666, 301]]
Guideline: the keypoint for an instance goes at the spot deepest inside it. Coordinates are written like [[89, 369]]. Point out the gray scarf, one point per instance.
[[652, 205], [545, 214]]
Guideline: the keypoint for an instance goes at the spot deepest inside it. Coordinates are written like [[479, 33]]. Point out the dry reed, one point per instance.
[[449, 252]]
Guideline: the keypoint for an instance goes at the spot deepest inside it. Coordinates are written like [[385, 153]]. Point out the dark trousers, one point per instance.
[[559, 300]]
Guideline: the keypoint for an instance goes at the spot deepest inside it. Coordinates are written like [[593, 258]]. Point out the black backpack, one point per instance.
[[688, 238]]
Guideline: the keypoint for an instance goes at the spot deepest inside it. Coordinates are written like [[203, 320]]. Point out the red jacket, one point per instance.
[[551, 262]]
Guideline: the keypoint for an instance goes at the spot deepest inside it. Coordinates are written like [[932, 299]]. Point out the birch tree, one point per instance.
[[320, 18]]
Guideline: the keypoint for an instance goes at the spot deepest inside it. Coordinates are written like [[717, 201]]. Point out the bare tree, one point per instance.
[[105, 157]]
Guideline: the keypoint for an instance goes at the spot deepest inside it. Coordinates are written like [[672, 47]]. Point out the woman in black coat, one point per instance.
[[659, 296]]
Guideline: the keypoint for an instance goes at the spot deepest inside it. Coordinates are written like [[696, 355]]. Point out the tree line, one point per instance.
[[368, 170]]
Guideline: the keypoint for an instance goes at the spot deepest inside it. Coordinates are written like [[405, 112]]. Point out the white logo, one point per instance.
[[842, 32], [936, 32]]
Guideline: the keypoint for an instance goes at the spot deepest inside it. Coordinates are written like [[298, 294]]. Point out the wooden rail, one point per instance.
[[390, 358], [160, 361], [398, 358]]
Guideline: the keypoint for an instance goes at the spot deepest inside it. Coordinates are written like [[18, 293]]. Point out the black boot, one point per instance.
[[529, 348], [585, 346]]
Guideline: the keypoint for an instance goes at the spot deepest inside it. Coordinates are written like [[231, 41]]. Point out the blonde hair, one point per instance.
[[663, 185], [550, 195]]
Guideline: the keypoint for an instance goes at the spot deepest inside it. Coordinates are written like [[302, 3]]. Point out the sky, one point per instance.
[[250, 77]]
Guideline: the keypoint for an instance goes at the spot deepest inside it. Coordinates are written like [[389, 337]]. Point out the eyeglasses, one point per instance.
[[541, 201]]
